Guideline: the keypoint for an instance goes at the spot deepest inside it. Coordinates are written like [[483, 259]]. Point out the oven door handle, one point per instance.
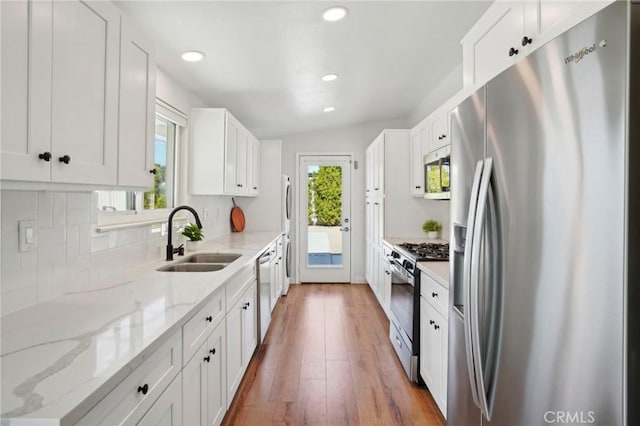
[[402, 272]]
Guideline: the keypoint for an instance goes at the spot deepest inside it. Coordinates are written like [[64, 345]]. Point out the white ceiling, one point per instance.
[[265, 59]]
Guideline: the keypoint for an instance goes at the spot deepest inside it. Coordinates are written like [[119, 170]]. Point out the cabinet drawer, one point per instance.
[[126, 403], [237, 285], [435, 294], [198, 328]]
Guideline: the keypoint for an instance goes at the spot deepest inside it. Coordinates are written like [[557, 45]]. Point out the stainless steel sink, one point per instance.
[[211, 258], [193, 267], [202, 262]]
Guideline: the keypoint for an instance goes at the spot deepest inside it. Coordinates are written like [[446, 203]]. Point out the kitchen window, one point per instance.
[[130, 207]]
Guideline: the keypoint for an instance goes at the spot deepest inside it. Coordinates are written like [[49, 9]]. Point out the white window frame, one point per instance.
[[108, 220]]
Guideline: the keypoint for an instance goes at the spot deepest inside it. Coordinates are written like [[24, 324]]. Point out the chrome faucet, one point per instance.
[[170, 249]]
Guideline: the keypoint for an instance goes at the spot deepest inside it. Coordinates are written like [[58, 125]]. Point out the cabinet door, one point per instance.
[[231, 155], [234, 350], [487, 45], [249, 325], [26, 90], [167, 410], [216, 373], [194, 389], [242, 159], [137, 109], [84, 92], [430, 348], [444, 356], [417, 181], [439, 137], [253, 166]]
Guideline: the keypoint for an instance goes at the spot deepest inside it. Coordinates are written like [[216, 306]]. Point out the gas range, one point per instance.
[[425, 251]]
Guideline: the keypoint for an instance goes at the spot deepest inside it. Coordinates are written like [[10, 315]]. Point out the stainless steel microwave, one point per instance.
[[436, 174]]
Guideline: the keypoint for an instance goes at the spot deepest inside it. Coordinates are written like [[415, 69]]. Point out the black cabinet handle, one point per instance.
[[212, 351], [46, 156], [526, 40], [441, 137], [513, 51], [434, 294], [246, 305], [431, 322], [255, 188], [239, 185], [153, 171], [64, 159], [418, 187], [143, 389], [436, 326], [207, 358], [210, 319]]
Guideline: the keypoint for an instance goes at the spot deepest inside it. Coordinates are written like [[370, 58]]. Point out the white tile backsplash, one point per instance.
[[71, 255]]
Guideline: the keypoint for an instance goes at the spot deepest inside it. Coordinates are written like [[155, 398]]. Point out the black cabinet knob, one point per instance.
[[526, 40], [431, 322], [207, 358], [444, 136], [64, 159], [46, 156], [513, 51], [212, 351], [239, 185], [434, 294], [418, 187], [210, 319], [153, 171], [436, 326], [255, 188], [143, 389]]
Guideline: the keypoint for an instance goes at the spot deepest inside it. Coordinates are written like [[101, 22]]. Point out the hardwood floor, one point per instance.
[[327, 360]]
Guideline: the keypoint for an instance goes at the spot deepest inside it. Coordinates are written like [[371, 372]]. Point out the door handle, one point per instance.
[[466, 292], [345, 229]]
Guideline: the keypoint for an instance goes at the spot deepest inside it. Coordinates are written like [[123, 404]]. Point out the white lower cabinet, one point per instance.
[[167, 410], [241, 339], [127, 403], [434, 332], [216, 350], [203, 382]]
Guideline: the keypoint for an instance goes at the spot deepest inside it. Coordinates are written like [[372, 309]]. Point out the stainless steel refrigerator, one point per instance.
[[545, 174]]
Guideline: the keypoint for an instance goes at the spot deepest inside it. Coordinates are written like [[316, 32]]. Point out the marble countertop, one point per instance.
[[60, 357], [439, 271]]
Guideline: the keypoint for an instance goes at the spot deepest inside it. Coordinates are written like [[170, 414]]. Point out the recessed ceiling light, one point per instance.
[[334, 13], [192, 56], [329, 109], [329, 77]]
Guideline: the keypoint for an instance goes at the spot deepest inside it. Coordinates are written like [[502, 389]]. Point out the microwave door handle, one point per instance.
[[466, 281]]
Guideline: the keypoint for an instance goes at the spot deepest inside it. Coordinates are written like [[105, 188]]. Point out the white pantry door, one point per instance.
[[324, 222]]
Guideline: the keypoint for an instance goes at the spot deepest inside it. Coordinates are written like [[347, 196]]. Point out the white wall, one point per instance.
[[353, 139], [71, 255], [449, 86]]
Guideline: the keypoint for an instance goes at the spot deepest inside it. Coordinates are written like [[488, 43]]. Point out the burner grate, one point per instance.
[[427, 251]]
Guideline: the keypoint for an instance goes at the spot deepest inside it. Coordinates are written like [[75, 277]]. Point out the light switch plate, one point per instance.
[[28, 234]]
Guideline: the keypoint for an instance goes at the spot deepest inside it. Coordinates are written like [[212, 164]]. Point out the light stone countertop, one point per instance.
[[61, 357], [439, 271]]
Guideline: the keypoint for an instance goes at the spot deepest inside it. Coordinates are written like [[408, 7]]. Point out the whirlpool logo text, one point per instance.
[[580, 54]]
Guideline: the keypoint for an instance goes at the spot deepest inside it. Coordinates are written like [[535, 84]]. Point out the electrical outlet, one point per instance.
[[28, 234]]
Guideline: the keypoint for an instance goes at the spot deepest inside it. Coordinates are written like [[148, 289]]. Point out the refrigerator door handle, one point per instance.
[[478, 235], [468, 262]]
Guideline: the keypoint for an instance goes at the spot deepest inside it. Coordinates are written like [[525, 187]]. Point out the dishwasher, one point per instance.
[[264, 291]]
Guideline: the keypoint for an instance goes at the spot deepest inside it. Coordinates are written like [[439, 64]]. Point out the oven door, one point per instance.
[[403, 295]]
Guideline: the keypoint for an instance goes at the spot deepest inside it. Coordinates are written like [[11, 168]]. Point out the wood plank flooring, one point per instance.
[[327, 360]]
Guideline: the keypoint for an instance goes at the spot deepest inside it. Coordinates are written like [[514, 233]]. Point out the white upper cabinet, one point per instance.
[[84, 92], [510, 30], [26, 95], [223, 159], [416, 165], [62, 66], [137, 109]]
